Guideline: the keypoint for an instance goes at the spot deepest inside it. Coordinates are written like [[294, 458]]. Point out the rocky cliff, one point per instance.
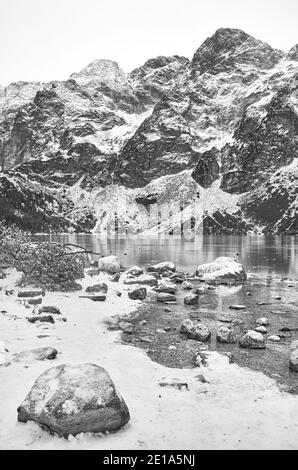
[[210, 144]]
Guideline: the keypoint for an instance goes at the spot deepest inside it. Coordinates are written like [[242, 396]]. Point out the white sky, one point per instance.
[[45, 40]]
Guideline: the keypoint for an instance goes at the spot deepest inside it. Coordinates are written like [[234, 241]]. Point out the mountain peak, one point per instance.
[[229, 48], [293, 53], [102, 70]]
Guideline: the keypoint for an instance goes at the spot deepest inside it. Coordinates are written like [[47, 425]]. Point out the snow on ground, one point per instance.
[[238, 408]]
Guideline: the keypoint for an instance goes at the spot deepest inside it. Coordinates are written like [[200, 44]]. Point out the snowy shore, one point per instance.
[[234, 409]]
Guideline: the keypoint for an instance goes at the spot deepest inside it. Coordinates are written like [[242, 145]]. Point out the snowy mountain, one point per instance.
[[209, 144]]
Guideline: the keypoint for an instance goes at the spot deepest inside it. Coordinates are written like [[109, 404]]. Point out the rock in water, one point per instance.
[[186, 325], [294, 361], [162, 267], [263, 321], [103, 288], [37, 354], [222, 269], [226, 335], [273, 339], [138, 294], [164, 297], [252, 339], [191, 299], [145, 279], [166, 288], [199, 332], [70, 399], [31, 293], [261, 329], [187, 285], [110, 264]]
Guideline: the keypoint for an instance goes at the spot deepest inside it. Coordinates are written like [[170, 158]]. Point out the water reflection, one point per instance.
[[264, 255]]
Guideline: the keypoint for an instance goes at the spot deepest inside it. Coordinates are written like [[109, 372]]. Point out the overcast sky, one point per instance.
[[45, 40]]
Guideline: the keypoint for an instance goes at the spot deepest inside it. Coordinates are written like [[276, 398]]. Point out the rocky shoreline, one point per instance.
[[70, 330]]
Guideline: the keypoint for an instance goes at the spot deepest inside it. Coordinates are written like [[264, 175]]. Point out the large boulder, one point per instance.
[[199, 332], [222, 269], [145, 279], [70, 399], [226, 335], [252, 339], [110, 264], [138, 294], [186, 325], [37, 354], [162, 267]]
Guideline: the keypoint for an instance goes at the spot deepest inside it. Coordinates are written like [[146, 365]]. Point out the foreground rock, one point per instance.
[[199, 332], [262, 321], [70, 399], [126, 327], [252, 339], [294, 361], [226, 335], [38, 354], [162, 267], [103, 288], [191, 299], [138, 294], [222, 269], [110, 264], [145, 279], [41, 318]]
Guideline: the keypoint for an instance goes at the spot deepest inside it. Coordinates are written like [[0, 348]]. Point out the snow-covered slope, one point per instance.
[[210, 143]]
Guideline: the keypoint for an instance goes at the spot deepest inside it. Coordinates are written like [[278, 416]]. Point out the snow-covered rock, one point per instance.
[[222, 269], [70, 399], [252, 339]]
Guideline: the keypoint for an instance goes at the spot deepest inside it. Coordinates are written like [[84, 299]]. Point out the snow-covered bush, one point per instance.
[[43, 264]]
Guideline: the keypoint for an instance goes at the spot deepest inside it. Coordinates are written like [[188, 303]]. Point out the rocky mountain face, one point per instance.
[[206, 145]]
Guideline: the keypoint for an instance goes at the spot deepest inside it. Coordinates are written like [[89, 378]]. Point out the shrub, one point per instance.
[[43, 264]]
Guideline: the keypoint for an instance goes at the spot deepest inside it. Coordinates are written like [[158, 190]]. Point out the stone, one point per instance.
[[191, 299], [225, 319], [294, 345], [41, 318], [199, 332], [177, 277], [226, 335], [222, 268], [273, 339], [252, 339], [110, 264], [164, 297], [166, 288], [261, 329], [135, 271], [115, 277], [103, 288], [186, 325], [126, 327], [262, 321], [95, 298], [200, 290], [175, 383], [186, 285], [47, 309], [34, 301], [201, 359], [92, 272], [162, 267], [294, 361], [237, 307], [143, 279], [31, 293], [139, 293], [71, 399], [38, 354]]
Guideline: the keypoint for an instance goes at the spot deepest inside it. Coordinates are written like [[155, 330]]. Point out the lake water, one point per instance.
[[260, 254], [272, 264]]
